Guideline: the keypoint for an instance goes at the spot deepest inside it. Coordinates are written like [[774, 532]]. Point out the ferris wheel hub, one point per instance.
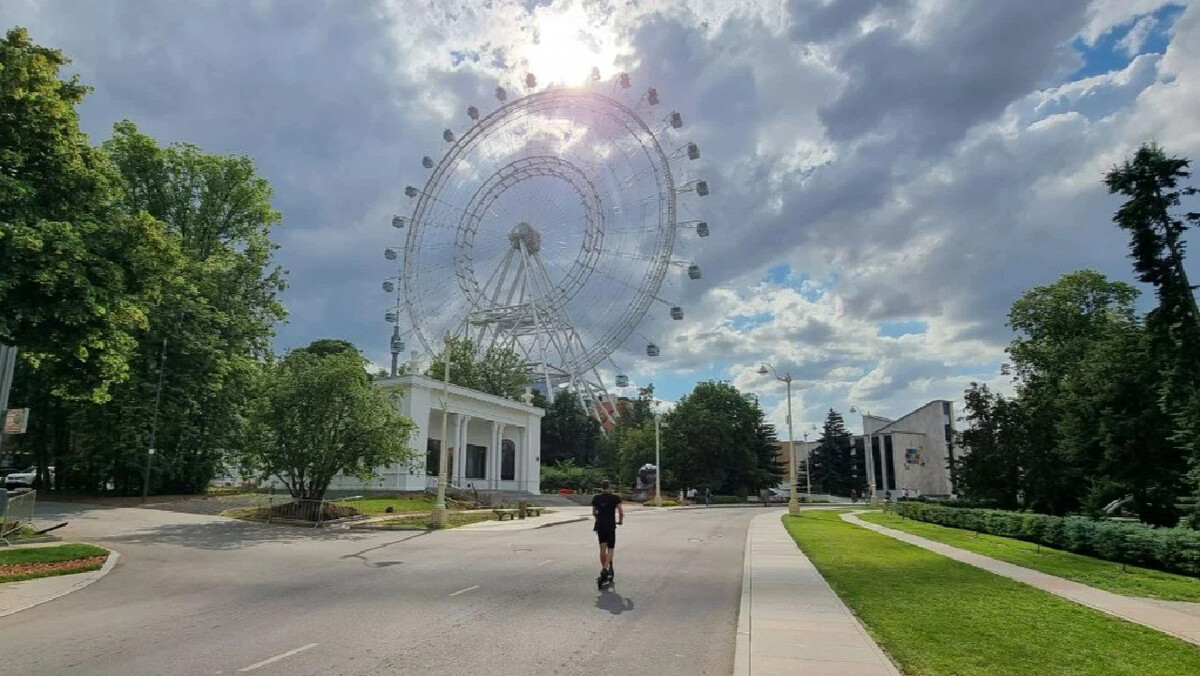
[[527, 236]]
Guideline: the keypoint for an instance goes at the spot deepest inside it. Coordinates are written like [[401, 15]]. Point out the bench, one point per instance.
[[534, 511], [501, 513]]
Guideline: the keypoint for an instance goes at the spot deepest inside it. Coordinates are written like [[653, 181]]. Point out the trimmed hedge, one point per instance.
[[1175, 550]]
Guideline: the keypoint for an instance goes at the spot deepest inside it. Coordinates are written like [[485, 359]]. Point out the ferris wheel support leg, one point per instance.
[[606, 396]]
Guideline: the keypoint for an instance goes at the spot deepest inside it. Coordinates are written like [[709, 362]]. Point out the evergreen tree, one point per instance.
[[1151, 181], [833, 466]]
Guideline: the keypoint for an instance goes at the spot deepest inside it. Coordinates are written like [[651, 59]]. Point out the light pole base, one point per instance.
[[793, 507], [438, 517]]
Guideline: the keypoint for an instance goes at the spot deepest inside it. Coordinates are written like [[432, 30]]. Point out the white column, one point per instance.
[[460, 450], [489, 462], [532, 467], [500, 455]]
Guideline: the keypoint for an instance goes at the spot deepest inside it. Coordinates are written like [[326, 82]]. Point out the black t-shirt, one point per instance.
[[605, 506]]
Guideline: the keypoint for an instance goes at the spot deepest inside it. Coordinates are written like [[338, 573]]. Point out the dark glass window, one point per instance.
[[877, 462], [860, 464], [887, 462], [476, 461], [508, 460], [431, 456]]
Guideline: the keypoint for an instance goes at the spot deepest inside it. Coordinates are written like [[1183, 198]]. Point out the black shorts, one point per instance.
[[607, 535]]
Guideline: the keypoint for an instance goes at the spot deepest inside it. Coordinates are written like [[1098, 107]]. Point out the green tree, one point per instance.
[[217, 318], [315, 417], [833, 466], [1114, 430], [499, 371], [568, 432], [635, 446], [711, 439], [768, 471], [1056, 324], [991, 471], [1151, 180], [77, 271], [327, 346]]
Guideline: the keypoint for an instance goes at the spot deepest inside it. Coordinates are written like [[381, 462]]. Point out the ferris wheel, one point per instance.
[[549, 227]]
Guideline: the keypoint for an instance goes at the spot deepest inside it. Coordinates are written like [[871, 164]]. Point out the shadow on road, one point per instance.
[[613, 602], [382, 564], [227, 535]]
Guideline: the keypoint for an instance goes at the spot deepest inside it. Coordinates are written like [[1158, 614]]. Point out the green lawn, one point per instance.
[[399, 504], [937, 616], [34, 555], [1098, 573]]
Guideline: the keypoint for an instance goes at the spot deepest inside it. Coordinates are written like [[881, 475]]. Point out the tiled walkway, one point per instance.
[[791, 621], [1164, 616]]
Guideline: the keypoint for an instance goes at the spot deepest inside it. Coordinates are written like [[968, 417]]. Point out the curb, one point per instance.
[[741, 649], [559, 523], [109, 564]]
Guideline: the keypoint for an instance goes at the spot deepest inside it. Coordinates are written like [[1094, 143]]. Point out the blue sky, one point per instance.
[[887, 177]]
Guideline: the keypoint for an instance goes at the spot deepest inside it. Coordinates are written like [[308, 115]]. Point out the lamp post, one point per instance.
[[657, 462], [793, 504], [438, 517], [162, 366]]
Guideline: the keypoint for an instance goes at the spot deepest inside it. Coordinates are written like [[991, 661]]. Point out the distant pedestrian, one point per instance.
[[707, 498], [691, 496]]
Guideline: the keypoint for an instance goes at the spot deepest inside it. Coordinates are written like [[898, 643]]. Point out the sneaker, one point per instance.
[[611, 574]]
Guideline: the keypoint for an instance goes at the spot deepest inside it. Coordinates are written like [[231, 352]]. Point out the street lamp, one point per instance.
[[162, 366], [438, 517], [793, 505], [657, 461]]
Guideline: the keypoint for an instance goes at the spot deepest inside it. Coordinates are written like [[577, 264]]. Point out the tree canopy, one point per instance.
[[78, 273], [834, 468], [715, 439], [499, 371], [315, 416]]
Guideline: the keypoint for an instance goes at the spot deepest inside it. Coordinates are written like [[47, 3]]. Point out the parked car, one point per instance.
[[780, 494], [25, 479]]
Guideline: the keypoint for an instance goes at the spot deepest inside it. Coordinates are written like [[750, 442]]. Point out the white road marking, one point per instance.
[[463, 591], [545, 562], [278, 657]]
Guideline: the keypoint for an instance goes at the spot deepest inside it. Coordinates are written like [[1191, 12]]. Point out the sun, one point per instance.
[[568, 46]]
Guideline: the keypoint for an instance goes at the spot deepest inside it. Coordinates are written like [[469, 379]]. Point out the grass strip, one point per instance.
[[29, 563], [1106, 575], [937, 616], [10, 557]]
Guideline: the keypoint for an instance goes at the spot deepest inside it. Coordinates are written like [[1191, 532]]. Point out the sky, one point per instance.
[[886, 177]]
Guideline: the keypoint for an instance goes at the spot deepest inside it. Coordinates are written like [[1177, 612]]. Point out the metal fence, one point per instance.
[[16, 512], [317, 512]]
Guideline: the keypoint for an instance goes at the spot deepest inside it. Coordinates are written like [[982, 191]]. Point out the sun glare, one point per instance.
[[568, 47]]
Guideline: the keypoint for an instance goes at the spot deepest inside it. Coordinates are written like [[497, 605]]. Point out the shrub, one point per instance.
[[727, 499], [567, 474], [1175, 550]]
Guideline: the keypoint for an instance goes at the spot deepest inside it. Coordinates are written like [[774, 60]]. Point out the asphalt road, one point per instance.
[[205, 595]]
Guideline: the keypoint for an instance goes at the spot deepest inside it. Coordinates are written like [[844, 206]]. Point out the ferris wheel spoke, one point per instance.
[[547, 228]]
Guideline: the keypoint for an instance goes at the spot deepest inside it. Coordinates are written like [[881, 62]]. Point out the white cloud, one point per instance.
[[917, 160], [1131, 44]]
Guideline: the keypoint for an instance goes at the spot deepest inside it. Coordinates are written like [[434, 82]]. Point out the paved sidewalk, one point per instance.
[[1161, 615], [560, 515], [17, 596], [791, 621]]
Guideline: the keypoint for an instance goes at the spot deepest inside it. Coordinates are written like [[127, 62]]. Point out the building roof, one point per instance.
[[414, 380]]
